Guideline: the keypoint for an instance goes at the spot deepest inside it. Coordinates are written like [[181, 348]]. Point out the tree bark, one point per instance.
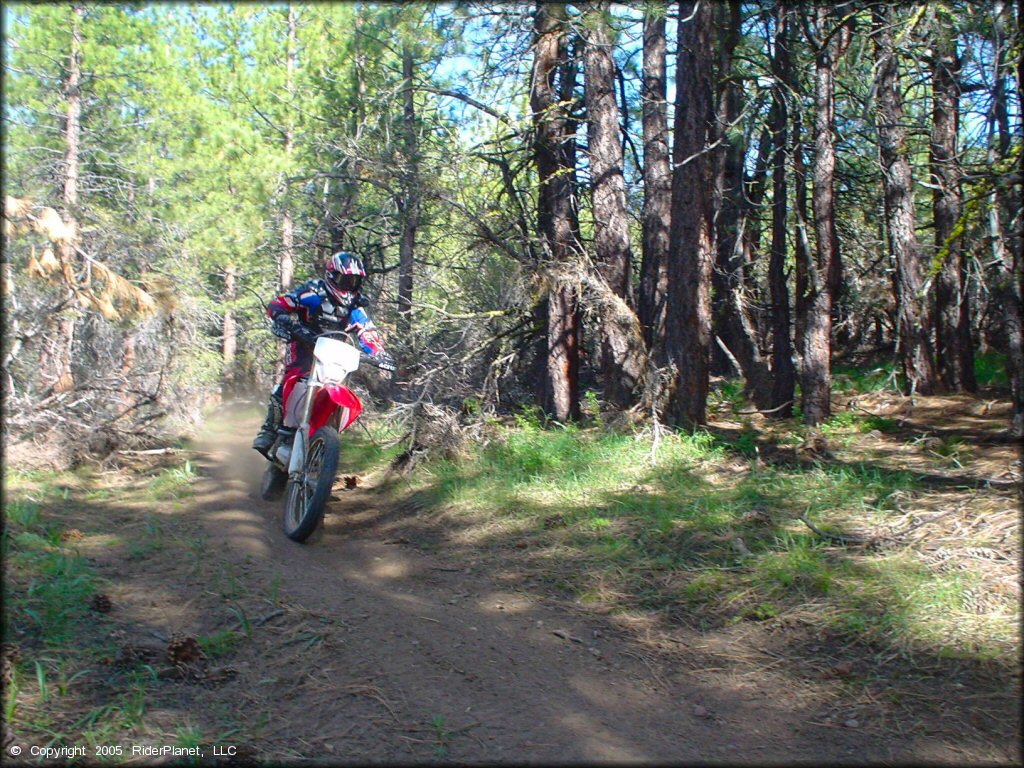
[[727, 164], [954, 348], [128, 358], [286, 267], [783, 372], [1017, 246], [557, 216], [802, 246], [1004, 206], [816, 378], [621, 354], [728, 289], [410, 196], [339, 216], [55, 365], [73, 122], [657, 175], [230, 342], [691, 249], [916, 352]]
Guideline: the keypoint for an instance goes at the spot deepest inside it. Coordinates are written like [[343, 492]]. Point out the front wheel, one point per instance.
[[308, 494]]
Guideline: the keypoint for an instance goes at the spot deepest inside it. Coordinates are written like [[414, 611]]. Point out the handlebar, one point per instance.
[[364, 357], [386, 364]]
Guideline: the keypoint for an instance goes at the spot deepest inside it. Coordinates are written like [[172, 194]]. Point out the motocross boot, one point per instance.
[[268, 432]]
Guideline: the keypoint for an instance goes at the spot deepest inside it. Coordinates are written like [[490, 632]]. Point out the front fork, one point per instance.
[[298, 457]]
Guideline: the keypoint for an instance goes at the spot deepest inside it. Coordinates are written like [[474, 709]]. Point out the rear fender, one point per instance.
[[329, 399]]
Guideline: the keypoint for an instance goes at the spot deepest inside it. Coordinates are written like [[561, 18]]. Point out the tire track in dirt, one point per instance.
[[449, 666]]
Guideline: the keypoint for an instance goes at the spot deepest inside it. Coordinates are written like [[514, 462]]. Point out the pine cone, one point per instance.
[[101, 603], [182, 649], [72, 535]]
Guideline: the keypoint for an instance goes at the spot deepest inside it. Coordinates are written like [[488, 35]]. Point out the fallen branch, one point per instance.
[[770, 410], [832, 536], [264, 619], [864, 410], [150, 452]]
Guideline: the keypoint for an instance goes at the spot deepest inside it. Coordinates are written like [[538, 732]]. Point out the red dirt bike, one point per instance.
[[304, 458]]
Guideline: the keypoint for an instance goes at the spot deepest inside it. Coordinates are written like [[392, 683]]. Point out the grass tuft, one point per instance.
[[606, 522], [69, 682]]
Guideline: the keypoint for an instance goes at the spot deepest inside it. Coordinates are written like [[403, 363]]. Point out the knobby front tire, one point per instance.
[[305, 501]]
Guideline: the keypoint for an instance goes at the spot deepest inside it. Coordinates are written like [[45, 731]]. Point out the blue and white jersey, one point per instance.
[[312, 303]]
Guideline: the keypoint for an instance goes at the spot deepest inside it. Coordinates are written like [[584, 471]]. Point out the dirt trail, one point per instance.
[[409, 657]]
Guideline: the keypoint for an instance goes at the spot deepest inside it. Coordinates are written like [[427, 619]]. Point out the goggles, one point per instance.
[[345, 282]]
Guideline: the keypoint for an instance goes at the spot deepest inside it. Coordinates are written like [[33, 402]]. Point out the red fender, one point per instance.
[[329, 398]]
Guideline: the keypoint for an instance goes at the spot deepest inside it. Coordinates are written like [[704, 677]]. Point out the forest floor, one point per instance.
[[393, 638]]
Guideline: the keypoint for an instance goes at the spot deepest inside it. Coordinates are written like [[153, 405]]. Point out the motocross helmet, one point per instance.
[[344, 275]]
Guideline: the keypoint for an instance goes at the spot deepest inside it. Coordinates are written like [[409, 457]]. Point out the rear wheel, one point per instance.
[[308, 494]]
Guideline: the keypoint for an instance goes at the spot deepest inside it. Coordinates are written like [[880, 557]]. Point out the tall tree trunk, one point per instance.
[[56, 364], [816, 377], [916, 352], [55, 361], [954, 348], [755, 188], [128, 358], [339, 218], [1005, 209], [557, 212], [73, 122], [621, 353], [657, 184], [410, 212], [230, 342], [727, 190], [1017, 246], [286, 266], [783, 372], [691, 249], [1010, 289], [802, 246], [728, 290]]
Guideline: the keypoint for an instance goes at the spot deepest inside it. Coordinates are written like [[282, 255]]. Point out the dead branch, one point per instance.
[[151, 452], [770, 410], [855, 540]]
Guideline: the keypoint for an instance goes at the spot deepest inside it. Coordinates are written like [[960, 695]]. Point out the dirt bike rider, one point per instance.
[[298, 317]]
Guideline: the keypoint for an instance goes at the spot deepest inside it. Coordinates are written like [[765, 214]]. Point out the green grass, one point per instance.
[[990, 370], [861, 379], [219, 643], [172, 483], [879, 423], [844, 425], [66, 688], [47, 592], [728, 394], [52, 585], [607, 523], [363, 450]]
